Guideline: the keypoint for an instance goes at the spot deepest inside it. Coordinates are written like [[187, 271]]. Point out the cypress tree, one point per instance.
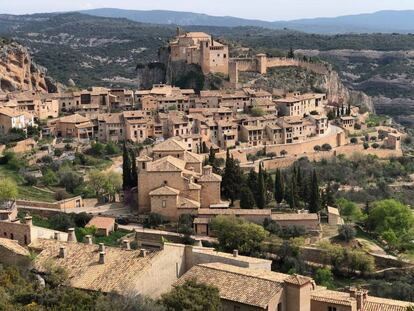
[[261, 190], [134, 172], [314, 196], [246, 198], [293, 196], [232, 178], [126, 169], [279, 187]]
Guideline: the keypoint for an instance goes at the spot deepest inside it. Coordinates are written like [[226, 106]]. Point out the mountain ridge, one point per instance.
[[387, 21]]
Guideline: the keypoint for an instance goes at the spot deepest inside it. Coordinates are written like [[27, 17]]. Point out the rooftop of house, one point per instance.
[[333, 210], [14, 247], [120, 270], [302, 216], [249, 287], [10, 112], [101, 222], [170, 145], [74, 118], [233, 211]]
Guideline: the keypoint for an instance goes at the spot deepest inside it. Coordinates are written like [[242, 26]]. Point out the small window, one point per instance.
[[331, 309], [164, 205], [279, 306]]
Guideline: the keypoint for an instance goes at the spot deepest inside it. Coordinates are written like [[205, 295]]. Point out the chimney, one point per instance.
[[28, 220], [142, 252], [56, 236], [62, 252], [207, 170], [126, 244], [360, 296], [101, 258], [88, 239], [235, 253], [101, 247], [71, 235]]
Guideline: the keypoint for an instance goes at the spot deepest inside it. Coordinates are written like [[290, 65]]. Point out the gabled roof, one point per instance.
[[191, 157], [236, 284], [74, 118], [120, 272], [166, 164], [298, 280], [14, 247], [101, 222], [170, 145], [187, 203], [165, 190]]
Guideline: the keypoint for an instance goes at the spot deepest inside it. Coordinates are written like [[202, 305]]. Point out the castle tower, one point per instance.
[[261, 63]]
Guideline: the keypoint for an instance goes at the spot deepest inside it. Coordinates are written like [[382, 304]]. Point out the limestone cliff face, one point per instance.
[[338, 92], [18, 72]]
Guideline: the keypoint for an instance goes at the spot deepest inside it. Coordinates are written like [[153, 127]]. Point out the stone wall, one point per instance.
[[16, 231], [70, 203]]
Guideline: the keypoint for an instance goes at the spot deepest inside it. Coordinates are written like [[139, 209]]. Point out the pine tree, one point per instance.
[[261, 190], [134, 172], [252, 179], [213, 161], [126, 169], [314, 196], [349, 109], [246, 198], [279, 187]]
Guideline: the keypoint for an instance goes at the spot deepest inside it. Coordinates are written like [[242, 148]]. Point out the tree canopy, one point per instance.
[[192, 296], [236, 233]]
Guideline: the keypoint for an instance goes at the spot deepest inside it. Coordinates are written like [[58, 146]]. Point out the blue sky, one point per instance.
[[259, 9]]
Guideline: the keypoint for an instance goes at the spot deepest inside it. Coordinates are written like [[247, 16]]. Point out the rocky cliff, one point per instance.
[[17, 70], [299, 79], [338, 92]]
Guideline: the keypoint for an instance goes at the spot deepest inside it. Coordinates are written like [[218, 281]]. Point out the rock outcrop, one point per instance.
[[338, 92], [18, 72]]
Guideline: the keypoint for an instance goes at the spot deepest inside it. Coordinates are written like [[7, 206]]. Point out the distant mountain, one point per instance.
[[382, 21]]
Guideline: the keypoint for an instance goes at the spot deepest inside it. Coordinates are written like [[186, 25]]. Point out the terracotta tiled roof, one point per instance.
[[165, 190], [14, 247], [333, 297], [333, 210], [74, 118], [210, 178], [234, 211], [9, 112], [187, 203], [192, 157], [119, 273], [381, 304], [234, 285], [170, 145], [304, 216], [166, 164], [298, 280], [101, 222]]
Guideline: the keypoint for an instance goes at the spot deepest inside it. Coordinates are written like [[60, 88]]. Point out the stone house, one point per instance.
[[72, 126], [13, 119], [174, 182], [104, 225]]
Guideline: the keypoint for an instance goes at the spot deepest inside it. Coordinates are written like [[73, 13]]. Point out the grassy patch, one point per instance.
[[26, 192], [112, 239]]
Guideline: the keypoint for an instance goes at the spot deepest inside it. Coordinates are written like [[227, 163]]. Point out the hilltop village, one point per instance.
[[143, 191]]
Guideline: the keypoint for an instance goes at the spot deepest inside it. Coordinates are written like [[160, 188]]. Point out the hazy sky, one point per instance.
[[260, 9]]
